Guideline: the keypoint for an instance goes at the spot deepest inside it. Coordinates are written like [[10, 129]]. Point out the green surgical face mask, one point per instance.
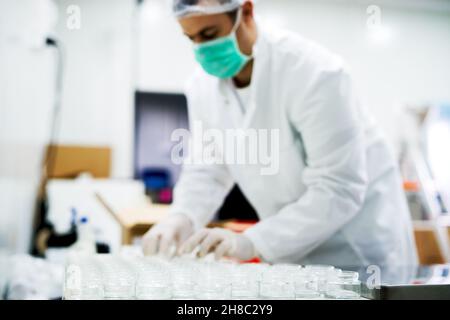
[[222, 57]]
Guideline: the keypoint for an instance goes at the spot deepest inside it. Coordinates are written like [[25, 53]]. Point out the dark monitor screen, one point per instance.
[[157, 115]]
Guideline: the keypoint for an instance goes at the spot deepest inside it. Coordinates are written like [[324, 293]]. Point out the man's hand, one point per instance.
[[222, 242], [173, 230]]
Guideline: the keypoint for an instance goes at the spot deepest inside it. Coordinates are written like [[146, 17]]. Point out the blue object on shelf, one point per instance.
[[84, 220], [156, 178]]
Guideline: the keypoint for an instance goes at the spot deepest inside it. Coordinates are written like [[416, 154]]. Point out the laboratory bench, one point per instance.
[[430, 282]]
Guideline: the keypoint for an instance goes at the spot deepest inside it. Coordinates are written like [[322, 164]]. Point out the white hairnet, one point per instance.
[[183, 8]]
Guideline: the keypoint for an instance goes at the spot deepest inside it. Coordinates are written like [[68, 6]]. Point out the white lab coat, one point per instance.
[[337, 196]]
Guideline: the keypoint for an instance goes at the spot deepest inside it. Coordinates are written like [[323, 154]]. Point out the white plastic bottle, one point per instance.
[[85, 243], [79, 254]]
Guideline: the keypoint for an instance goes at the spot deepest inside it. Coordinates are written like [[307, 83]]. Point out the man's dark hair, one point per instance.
[[233, 15]]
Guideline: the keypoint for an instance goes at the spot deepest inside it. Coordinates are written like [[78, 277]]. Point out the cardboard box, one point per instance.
[[134, 221], [68, 161], [430, 248]]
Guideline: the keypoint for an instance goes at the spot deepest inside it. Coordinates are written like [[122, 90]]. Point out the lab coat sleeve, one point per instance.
[[335, 173], [203, 183]]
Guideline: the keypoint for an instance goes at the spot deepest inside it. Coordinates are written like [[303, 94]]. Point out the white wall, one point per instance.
[[97, 102], [98, 88], [26, 98], [25, 102], [412, 66]]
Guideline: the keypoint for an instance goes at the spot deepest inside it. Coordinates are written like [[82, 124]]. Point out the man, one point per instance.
[[336, 197]]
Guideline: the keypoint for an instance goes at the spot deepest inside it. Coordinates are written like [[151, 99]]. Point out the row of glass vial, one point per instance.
[[112, 278]]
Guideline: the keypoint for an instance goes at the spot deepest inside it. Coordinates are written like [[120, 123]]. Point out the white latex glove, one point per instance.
[[222, 242], [172, 231]]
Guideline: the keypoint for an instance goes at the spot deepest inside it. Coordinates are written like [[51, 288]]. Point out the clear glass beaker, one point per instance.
[[213, 281], [118, 286], [183, 273], [277, 283], [119, 278], [92, 288], [306, 285], [245, 282], [154, 283], [344, 285], [322, 273]]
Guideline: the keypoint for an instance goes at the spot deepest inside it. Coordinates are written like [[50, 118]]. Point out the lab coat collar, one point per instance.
[[260, 55]]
